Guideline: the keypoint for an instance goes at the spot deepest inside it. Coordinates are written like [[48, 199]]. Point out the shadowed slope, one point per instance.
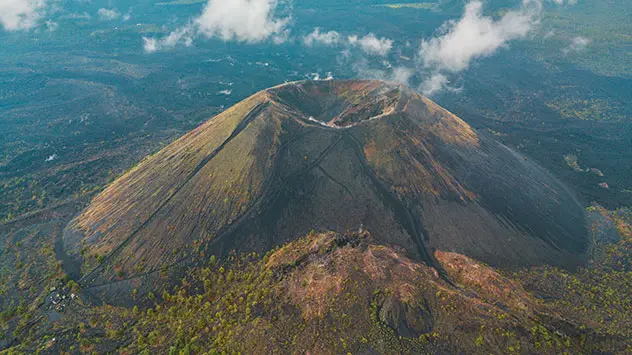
[[332, 155]]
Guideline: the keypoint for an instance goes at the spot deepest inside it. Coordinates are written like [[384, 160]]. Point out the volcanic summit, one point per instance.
[[329, 156]]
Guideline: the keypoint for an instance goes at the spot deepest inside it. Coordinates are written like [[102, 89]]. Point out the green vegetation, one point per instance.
[[605, 25], [343, 294], [597, 297], [592, 110], [572, 162]]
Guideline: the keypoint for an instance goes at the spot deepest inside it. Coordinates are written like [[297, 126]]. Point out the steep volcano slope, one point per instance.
[[328, 155]]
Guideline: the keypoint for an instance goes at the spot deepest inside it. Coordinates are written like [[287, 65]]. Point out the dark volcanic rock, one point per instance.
[[404, 319], [328, 155]]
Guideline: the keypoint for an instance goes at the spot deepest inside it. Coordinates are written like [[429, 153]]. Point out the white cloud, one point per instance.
[[437, 82], [182, 35], [471, 37], [108, 14], [21, 14], [51, 157], [248, 21], [402, 75], [281, 37], [372, 45], [474, 36], [241, 20], [52, 26], [151, 45], [577, 44], [366, 69], [326, 38], [452, 50]]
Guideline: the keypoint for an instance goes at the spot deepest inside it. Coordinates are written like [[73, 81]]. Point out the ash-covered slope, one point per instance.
[[328, 155]]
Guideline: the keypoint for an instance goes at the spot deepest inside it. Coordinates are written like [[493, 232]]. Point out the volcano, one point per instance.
[[328, 156]]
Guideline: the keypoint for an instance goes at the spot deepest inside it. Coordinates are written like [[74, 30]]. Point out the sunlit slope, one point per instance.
[[328, 155]]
